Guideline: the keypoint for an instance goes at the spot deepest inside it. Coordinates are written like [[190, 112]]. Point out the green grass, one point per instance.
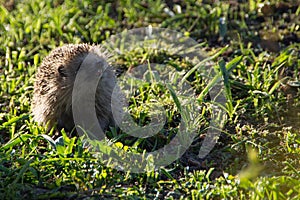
[[256, 55]]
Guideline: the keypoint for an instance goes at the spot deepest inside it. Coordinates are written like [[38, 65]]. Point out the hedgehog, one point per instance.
[[54, 81]]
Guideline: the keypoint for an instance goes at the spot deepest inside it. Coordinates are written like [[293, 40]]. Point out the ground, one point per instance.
[[254, 48]]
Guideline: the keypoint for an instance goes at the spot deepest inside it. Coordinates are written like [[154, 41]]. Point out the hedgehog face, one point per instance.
[[66, 71]]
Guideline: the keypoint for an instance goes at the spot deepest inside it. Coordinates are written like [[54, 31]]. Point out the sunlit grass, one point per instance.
[[257, 155]]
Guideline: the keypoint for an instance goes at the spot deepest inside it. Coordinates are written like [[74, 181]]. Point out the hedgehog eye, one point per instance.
[[61, 70]]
